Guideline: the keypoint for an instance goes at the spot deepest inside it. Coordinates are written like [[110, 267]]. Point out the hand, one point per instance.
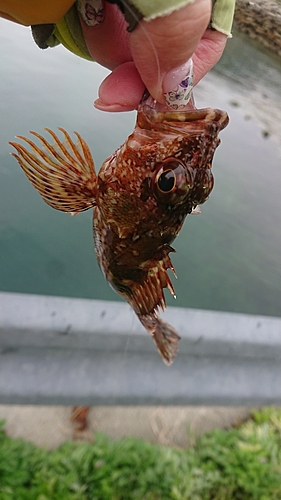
[[153, 55]]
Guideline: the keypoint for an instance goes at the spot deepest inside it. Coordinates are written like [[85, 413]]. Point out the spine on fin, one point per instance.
[[63, 173]]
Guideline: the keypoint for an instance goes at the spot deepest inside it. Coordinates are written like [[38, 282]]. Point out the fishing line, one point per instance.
[[142, 27]]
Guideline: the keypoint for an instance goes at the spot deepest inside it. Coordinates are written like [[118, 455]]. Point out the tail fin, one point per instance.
[[164, 336]]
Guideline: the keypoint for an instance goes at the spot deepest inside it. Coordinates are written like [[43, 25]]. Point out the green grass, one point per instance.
[[238, 464]]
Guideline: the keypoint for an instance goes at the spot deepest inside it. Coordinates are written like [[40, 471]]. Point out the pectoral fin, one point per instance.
[[63, 172]]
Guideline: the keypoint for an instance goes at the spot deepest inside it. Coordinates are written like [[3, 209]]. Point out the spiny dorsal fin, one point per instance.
[[63, 172]]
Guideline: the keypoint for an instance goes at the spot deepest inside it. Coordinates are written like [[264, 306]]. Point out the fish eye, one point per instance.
[[172, 181], [166, 181]]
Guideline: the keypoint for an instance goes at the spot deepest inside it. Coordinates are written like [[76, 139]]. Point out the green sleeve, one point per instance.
[[69, 33], [222, 13], [155, 8], [222, 16]]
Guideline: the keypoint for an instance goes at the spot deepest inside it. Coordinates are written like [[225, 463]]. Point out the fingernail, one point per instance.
[[92, 11], [112, 108], [178, 85]]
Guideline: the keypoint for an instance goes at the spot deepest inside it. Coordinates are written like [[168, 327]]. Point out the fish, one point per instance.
[[140, 198]]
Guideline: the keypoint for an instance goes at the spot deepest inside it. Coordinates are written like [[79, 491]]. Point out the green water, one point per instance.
[[228, 258]]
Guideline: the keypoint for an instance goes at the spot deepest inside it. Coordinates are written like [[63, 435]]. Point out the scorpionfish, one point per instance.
[[140, 196]]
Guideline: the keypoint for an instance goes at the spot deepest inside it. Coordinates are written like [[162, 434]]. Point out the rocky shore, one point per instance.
[[261, 20]]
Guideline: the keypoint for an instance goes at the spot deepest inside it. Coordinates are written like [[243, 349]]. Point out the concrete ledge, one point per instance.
[[73, 351]]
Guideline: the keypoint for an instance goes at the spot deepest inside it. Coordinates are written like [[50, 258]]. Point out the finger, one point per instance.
[[122, 90], [108, 42], [165, 43], [208, 53]]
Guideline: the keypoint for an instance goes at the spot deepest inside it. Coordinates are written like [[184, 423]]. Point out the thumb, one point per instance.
[[161, 47]]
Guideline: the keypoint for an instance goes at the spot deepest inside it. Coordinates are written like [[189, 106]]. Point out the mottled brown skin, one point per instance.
[[141, 197]]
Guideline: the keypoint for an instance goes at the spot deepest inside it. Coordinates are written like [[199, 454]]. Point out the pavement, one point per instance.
[[50, 426]]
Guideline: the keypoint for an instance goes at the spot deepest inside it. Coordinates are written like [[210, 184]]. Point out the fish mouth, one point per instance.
[[147, 100], [156, 116]]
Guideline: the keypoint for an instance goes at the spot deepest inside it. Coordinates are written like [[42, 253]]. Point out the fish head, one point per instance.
[[161, 173], [185, 141]]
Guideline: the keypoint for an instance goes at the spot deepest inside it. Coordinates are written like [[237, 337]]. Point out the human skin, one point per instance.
[[153, 56]]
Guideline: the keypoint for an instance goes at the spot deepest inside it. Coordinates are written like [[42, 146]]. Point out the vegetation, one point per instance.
[[238, 464]]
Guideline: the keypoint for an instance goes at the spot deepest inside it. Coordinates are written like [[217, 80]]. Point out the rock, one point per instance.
[[261, 20]]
